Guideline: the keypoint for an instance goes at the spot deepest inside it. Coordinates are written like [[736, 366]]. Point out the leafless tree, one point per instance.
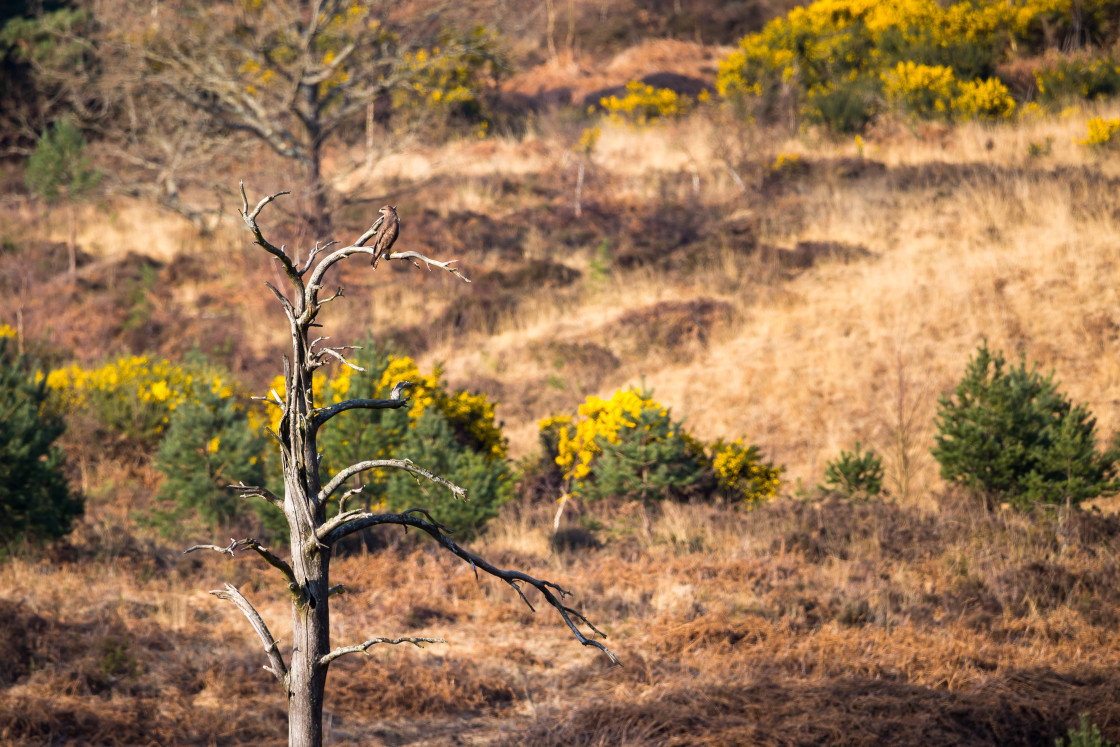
[[305, 501], [293, 76]]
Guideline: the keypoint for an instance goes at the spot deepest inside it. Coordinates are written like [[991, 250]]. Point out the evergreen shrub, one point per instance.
[[59, 167], [1076, 79], [36, 504], [1087, 734], [854, 474], [208, 446], [1010, 435], [452, 433]]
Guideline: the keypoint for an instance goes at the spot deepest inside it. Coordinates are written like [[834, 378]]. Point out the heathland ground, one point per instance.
[[799, 289]]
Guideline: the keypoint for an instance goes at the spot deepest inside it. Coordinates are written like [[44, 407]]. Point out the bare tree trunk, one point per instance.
[[305, 500], [550, 28], [319, 212], [579, 189], [319, 217], [307, 680]]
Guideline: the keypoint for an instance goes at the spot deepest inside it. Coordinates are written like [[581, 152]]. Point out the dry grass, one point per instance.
[[794, 624], [967, 237], [919, 622], [967, 242]]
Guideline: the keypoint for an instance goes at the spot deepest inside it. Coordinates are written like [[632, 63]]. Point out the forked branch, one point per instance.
[[554, 594], [278, 668], [269, 557], [250, 219]]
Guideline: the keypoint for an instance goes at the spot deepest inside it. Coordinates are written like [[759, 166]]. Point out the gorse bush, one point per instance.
[[36, 504], [630, 447], [643, 104], [923, 90], [788, 164], [934, 92], [135, 396], [982, 99], [1010, 435], [840, 59], [1101, 133], [648, 458], [451, 433], [854, 474], [1077, 78], [741, 473]]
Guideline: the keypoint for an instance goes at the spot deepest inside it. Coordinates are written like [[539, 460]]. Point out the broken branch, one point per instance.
[[362, 648], [234, 545], [405, 464], [429, 263], [278, 668]]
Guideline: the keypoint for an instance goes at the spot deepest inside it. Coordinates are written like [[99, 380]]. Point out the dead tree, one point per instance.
[[312, 531]]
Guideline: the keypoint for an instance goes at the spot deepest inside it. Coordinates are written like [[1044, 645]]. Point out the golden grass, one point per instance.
[[1002, 246], [970, 236], [929, 618]]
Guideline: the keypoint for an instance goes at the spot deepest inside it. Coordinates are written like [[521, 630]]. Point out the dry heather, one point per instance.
[[798, 623], [803, 306]]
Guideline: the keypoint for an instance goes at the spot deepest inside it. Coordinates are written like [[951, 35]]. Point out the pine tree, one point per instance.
[[36, 504], [1009, 434], [432, 442], [207, 447], [59, 170]]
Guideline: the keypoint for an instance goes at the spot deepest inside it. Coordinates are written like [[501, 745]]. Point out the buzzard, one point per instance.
[[386, 234]]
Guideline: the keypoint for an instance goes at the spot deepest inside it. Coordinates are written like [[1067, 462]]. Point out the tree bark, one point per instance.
[[305, 500], [319, 212], [307, 680]]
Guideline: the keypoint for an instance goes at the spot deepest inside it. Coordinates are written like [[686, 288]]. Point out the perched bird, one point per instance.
[[386, 234]]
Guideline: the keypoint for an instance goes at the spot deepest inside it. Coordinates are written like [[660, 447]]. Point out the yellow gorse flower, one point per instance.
[[577, 445], [831, 43], [643, 104], [136, 393], [741, 473], [588, 140], [1101, 132]]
